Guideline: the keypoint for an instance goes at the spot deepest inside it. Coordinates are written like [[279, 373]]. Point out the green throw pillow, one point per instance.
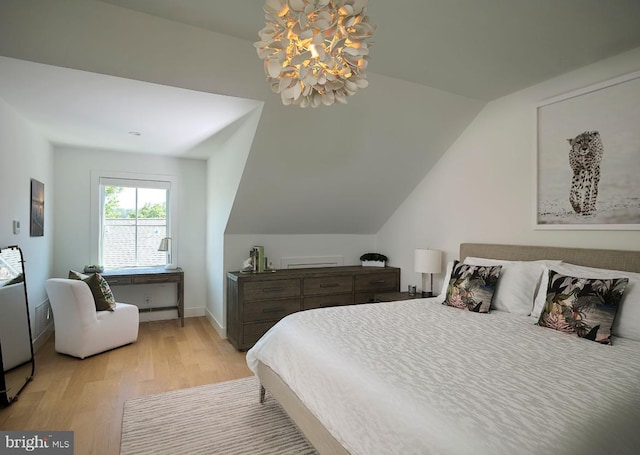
[[102, 295], [73, 275]]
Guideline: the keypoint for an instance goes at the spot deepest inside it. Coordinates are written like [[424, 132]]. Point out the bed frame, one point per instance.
[[320, 437], [629, 261]]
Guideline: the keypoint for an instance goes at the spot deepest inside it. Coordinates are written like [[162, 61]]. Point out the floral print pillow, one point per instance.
[[582, 306], [472, 287]]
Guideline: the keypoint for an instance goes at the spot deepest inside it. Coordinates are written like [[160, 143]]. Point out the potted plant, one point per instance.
[[373, 260]]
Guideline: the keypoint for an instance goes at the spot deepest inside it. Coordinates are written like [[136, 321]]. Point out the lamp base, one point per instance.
[[427, 294]]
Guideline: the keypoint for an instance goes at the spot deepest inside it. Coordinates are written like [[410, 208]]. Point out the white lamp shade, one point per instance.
[[428, 261], [164, 244]]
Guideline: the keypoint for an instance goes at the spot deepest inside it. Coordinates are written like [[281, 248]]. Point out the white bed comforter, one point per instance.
[[416, 377]]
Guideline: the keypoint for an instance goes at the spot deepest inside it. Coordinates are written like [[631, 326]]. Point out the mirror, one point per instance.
[[16, 348]]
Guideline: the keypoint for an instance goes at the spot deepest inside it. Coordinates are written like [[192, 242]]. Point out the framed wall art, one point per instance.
[[587, 158], [37, 209]]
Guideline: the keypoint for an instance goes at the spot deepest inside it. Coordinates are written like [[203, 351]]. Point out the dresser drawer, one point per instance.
[[337, 284], [309, 303], [270, 310], [272, 289], [377, 281]]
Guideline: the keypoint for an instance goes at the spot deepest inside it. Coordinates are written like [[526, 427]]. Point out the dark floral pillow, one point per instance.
[[472, 286], [583, 306]]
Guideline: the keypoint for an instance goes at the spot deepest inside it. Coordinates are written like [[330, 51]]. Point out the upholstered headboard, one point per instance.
[[607, 259]]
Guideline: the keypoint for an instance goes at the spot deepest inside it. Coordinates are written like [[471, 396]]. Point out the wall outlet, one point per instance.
[[147, 300]]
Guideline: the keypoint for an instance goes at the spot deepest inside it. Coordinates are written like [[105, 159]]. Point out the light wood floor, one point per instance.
[[87, 396]]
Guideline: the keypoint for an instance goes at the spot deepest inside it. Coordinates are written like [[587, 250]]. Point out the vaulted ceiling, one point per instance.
[[476, 48], [338, 169]]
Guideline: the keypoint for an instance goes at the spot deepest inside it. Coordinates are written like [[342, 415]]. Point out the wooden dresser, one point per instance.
[[256, 301]]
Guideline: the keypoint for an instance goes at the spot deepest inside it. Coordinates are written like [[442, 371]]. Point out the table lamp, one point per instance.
[[165, 245], [427, 261]]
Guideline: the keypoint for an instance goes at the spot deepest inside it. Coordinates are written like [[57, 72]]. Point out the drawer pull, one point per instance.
[[273, 310], [274, 289], [377, 281], [329, 285]]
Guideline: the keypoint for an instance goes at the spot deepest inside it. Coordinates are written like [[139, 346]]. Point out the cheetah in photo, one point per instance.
[[585, 157]]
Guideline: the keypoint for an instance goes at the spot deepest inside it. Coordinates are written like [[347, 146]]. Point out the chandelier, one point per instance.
[[315, 51]]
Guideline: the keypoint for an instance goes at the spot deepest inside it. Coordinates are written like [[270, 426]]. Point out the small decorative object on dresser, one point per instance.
[[373, 260]]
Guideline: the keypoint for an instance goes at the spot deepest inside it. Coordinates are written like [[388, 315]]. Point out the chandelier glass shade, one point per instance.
[[315, 51]]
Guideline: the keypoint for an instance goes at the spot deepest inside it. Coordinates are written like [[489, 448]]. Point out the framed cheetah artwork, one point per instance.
[[587, 158]]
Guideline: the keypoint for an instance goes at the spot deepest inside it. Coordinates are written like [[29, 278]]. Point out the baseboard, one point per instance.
[[222, 332], [194, 312], [42, 339]]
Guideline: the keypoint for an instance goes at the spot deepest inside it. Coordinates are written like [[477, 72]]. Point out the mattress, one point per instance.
[[416, 377]]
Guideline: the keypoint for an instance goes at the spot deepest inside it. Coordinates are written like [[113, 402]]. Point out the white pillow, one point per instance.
[[517, 285], [627, 322]]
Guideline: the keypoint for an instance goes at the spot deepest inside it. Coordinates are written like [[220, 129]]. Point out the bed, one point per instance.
[[419, 377]]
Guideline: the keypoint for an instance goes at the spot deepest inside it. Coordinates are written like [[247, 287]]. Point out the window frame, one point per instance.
[[145, 181]]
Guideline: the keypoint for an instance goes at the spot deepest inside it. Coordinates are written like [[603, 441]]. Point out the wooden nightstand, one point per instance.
[[393, 296]]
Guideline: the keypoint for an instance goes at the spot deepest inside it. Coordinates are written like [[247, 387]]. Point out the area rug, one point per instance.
[[224, 418]]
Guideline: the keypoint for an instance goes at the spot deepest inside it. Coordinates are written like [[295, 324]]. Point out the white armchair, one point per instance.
[[80, 330]]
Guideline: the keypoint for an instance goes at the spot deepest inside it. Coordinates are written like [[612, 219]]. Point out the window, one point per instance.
[[134, 218]]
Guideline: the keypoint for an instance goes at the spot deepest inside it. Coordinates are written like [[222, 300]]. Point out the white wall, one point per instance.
[[228, 153], [24, 155], [319, 162], [72, 205], [481, 189]]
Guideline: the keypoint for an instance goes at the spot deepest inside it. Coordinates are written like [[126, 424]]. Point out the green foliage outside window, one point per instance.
[[150, 210], [112, 209], [111, 202]]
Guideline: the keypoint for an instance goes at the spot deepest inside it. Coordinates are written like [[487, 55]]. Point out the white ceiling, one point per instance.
[[481, 49], [311, 171], [83, 109], [477, 48]]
